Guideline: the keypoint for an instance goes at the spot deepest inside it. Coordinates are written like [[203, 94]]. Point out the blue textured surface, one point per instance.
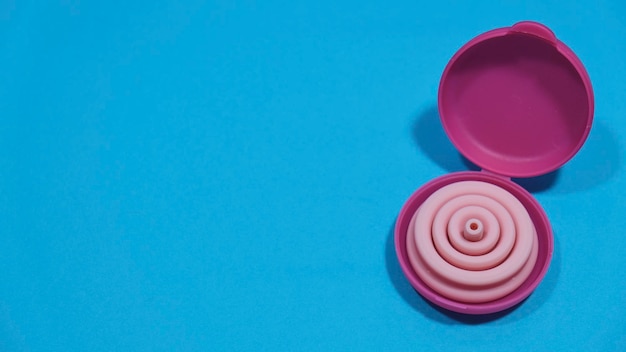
[[225, 176]]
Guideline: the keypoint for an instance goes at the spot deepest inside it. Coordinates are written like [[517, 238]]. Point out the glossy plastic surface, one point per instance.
[[516, 101]]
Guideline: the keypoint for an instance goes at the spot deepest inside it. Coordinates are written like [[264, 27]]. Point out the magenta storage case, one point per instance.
[[517, 102]]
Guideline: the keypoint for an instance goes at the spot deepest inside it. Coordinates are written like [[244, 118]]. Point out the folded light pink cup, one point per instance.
[[517, 102]]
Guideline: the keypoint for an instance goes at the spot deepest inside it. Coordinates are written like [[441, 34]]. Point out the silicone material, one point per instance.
[[517, 102], [473, 229], [543, 233], [467, 278]]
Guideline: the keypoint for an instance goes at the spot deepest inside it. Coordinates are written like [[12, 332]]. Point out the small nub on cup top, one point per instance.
[[473, 230]]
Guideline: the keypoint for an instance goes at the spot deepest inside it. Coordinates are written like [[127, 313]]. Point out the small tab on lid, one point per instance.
[[536, 29]]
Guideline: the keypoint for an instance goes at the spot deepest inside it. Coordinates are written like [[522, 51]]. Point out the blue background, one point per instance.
[[191, 175]]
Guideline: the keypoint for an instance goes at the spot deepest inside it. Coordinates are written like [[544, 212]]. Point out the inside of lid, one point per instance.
[[515, 105]]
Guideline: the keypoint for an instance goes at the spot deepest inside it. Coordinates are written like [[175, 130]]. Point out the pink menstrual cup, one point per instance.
[[516, 102]]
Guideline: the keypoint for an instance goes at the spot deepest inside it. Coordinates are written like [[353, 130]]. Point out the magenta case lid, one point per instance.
[[516, 101]]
